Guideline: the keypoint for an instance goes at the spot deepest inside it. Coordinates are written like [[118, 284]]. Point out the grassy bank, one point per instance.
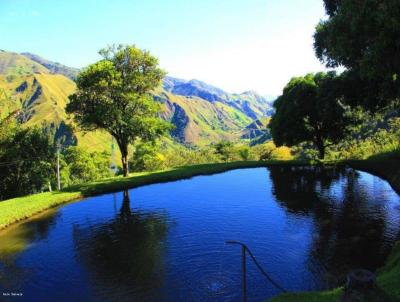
[[388, 277], [17, 209]]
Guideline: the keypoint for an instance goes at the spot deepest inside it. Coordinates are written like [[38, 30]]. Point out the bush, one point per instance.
[[79, 166]]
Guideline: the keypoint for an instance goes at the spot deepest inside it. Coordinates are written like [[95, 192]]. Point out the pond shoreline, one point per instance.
[[388, 276], [18, 209], [22, 208]]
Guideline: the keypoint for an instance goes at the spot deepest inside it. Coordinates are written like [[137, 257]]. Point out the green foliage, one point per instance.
[[79, 165], [27, 160], [224, 149], [363, 36], [268, 151], [146, 157], [309, 110], [264, 151], [375, 136], [114, 94], [182, 156], [244, 153]]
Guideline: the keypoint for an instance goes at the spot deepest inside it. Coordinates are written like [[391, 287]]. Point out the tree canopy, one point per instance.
[[27, 158], [310, 110], [363, 36], [114, 94]]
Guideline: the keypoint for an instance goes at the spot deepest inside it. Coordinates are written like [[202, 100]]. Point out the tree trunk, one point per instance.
[[123, 147], [125, 168], [321, 149]]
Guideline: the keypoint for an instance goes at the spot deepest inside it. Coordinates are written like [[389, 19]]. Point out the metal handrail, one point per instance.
[[263, 272]]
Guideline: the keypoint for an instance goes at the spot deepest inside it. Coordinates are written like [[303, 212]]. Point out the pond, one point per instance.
[[307, 227]]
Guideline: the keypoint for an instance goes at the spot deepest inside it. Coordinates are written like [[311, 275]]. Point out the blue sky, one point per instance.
[[236, 45]]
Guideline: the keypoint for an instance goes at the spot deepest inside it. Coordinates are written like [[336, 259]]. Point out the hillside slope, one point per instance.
[[53, 67], [250, 103], [41, 97], [200, 112], [200, 122]]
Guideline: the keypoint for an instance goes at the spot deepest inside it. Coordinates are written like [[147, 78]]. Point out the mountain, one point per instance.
[[41, 97], [14, 65], [53, 67], [250, 103], [201, 113], [200, 122], [256, 129]]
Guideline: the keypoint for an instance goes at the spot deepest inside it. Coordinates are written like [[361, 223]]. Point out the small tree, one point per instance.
[[309, 110], [244, 153], [27, 157], [114, 94], [224, 149]]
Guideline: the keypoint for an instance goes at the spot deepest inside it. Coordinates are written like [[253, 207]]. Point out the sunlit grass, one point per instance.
[[17, 209]]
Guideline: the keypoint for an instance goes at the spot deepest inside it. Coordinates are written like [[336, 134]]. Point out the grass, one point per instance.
[[323, 296], [17, 209]]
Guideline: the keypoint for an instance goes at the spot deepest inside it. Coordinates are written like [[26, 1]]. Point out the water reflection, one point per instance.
[[124, 255], [349, 227], [304, 224]]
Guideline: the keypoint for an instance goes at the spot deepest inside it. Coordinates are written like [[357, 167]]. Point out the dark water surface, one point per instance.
[[165, 242]]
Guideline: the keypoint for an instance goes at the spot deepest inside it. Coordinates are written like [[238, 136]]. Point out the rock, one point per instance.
[[360, 279], [361, 286]]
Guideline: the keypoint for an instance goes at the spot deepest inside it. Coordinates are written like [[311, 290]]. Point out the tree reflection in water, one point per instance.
[[124, 255], [349, 226]]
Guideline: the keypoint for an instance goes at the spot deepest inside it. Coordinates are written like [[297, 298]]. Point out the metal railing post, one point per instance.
[[244, 285], [263, 272]]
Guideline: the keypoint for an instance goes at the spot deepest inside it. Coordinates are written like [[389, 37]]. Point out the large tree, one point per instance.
[[363, 36], [114, 94], [310, 110]]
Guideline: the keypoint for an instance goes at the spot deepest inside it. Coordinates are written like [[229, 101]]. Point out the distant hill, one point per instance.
[[256, 129], [13, 65], [200, 122], [250, 103], [41, 95], [200, 112], [53, 67]]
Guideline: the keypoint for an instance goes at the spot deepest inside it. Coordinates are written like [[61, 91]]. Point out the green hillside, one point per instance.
[[41, 93], [200, 122], [13, 64], [41, 98]]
